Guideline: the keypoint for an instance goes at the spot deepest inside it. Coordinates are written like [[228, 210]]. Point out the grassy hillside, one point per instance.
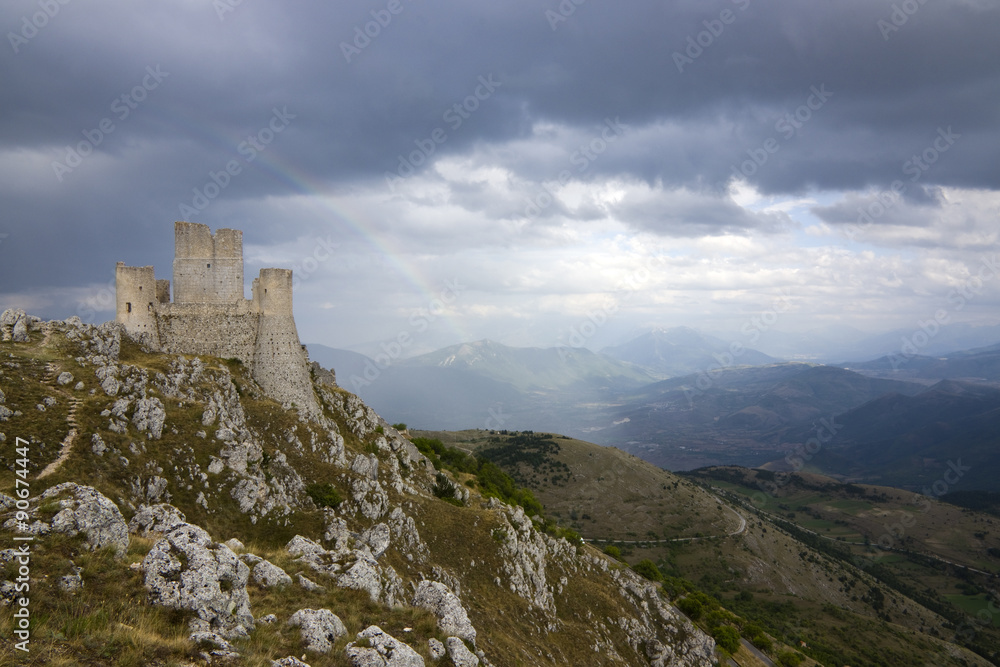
[[765, 574], [945, 557], [601, 492], [240, 466]]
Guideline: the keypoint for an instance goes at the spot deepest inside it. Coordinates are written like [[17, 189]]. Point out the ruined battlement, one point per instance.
[[210, 315]]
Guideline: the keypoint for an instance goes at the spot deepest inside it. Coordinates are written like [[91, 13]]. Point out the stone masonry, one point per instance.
[[210, 316]]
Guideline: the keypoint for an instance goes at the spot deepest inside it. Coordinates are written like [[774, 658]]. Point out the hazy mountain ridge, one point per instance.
[[914, 441], [682, 351]]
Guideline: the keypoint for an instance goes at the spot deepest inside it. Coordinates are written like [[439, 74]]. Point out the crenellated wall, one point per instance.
[[209, 314], [208, 268]]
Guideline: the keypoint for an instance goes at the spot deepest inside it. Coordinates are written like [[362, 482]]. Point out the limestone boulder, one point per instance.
[[187, 570], [149, 417], [267, 574], [438, 599], [290, 661], [383, 650], [460, 653], [83, 510], [320, 628], [154, 519]]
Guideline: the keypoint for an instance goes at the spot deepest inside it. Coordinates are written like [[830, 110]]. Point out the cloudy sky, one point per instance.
[[531, 171]]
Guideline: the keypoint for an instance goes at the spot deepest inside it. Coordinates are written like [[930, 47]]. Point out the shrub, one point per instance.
[[324, 495], [648, 569], [443, 487], [727, 638], [613, 551], [790, 659], [400, 426], [690, 607]]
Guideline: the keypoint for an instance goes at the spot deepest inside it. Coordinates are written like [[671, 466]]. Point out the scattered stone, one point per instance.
[[86, 511], [234, 544], [460, 653], [436, 649], [268, 575], [64, 378], [320, 628], [309, 585], [377, 538], [158, 518], [384, 651], [438, 599], [71, 583], [187, 570], [97, 445], [214, 645], [268, 620], [149, 416], [290, 661]]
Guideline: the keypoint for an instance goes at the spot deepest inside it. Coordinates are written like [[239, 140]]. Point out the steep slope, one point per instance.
[[601, 492], [717, 551], [343, 505]]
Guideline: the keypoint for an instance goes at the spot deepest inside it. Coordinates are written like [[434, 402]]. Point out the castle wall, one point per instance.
[[135, 301], [207, 268], [163, 291], [227, 331]]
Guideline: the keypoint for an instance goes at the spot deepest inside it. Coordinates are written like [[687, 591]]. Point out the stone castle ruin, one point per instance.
[[210, 315]]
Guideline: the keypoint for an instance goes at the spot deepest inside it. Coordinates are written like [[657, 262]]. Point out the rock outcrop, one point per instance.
[[188, 570], [383, 650], [452, 618], [320, 628]]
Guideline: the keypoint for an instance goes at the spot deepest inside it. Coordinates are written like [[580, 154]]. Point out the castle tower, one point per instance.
[[280, 364], [208, 268], [136, 301]]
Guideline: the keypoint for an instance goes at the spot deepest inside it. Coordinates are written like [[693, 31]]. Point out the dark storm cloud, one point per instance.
[[355, 105]]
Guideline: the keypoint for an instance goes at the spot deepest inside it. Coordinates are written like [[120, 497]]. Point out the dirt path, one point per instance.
[[66, 446]]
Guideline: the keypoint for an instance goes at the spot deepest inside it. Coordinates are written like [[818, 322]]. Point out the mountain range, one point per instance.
[[682, 399]]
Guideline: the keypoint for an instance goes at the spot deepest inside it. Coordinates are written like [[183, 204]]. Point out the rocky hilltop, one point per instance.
[[180, 516]]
